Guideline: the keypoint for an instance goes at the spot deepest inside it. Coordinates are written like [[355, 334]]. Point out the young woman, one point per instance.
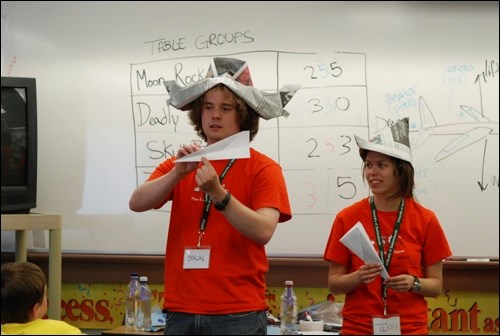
[[407, 236]]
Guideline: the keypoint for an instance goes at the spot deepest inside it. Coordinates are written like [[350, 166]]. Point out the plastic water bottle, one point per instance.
[[143, 305], [130, 300], [288, 310]]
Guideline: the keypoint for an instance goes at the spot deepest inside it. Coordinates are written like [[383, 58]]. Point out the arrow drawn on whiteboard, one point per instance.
[[483, 188]]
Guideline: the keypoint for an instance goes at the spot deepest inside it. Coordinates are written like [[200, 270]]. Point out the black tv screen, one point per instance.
[[19, 145]]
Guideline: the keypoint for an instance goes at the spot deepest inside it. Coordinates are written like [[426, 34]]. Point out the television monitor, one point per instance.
[[19, 145]]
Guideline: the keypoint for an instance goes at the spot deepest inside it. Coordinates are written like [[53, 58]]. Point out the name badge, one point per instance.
[[196, 258], [386, 325]]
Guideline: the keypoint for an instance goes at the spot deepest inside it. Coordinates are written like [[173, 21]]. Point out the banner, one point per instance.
[[102, 306]]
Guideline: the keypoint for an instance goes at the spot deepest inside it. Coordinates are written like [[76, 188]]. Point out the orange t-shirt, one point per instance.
[[235, 279], [421, 242]]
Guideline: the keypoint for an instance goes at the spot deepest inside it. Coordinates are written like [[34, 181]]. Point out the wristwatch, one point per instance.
[[222, 204], [416, 285]]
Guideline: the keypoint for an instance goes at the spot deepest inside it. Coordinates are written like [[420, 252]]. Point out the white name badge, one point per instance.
[[196, 258], [386, 325]]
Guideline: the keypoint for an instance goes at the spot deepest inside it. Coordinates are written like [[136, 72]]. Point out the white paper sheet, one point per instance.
[[357, 240], [234, 147]]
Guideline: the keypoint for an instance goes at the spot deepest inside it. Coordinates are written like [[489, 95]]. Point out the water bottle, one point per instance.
[[288, 310], [130, 300], [143, 305]]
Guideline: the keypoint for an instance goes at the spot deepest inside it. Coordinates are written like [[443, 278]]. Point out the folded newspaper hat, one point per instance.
[[234, 74], [393, 140]]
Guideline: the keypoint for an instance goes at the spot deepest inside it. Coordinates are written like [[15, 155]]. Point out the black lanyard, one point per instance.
[[392, 241], [208, 203]]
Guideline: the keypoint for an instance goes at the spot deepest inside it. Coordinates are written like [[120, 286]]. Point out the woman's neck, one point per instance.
[[384, 204]]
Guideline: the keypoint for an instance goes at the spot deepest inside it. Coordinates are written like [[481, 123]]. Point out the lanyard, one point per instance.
[[208, 202], [392, 241]]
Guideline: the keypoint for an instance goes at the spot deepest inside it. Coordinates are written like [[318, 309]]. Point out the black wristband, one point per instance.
[[222, 204]]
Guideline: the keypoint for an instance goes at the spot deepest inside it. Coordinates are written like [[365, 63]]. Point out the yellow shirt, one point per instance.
[[40, 327]]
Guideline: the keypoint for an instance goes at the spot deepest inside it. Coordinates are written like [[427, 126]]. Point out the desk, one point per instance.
[[30, 222], [124, 330]]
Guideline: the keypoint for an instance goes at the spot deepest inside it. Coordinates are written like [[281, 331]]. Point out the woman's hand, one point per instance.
[[368, 272], [400, 283]]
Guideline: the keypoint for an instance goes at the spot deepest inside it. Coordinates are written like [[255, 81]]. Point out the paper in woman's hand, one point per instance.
[[357, 240], [234, 147]]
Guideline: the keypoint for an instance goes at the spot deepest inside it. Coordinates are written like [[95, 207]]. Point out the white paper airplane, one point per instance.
[[357, 240], [234, 147]]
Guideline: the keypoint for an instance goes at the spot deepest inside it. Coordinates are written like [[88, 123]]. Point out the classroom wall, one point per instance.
[[104, 123]]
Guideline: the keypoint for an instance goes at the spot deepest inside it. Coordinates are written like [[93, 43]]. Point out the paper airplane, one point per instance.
[[234, 147], [357, 240]]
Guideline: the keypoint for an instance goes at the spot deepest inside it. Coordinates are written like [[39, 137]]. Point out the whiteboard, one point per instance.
[[104, 123]]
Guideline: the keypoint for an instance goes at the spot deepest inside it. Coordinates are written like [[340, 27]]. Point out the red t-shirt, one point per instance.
[[421, 242], [235, 279]]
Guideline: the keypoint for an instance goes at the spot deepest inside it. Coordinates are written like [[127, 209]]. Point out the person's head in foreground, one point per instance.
[[24, 302]]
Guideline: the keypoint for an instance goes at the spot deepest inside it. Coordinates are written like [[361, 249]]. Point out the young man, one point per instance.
[[224, 212], [24, 302]]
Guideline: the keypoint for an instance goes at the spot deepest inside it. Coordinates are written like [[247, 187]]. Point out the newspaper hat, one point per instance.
[[393, 140], [234, 74]]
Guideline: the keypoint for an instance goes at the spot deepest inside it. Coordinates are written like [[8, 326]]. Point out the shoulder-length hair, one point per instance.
[[247, 117], [404, 173]]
